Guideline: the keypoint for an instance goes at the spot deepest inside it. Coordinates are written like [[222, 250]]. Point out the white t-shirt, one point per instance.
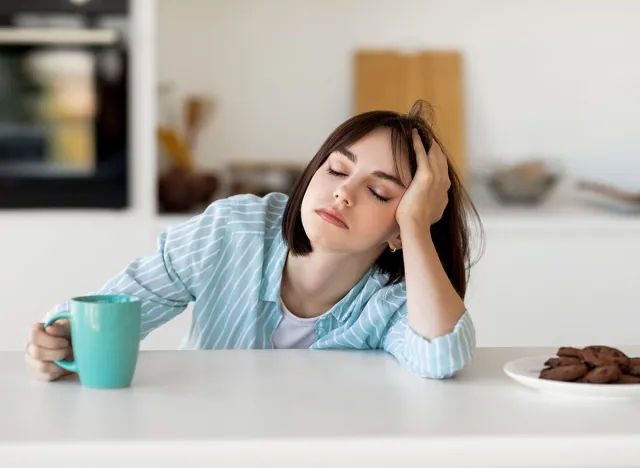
[[294, 332]]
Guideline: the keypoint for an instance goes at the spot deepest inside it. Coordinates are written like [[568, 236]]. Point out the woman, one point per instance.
[[369, 251]]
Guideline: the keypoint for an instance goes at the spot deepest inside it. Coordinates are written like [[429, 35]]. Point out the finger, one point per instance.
[[421, 153], [60, 328], [45, 339], [444, 166], [44, 354], [43, 370], [438, 159], [434, 161]]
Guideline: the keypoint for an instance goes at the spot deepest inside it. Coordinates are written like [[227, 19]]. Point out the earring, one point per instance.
[[393, 249]]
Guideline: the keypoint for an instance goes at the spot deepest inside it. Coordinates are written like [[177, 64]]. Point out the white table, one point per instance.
[[307, 408]]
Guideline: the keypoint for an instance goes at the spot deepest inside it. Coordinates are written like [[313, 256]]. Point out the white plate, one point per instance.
[[527, 370]]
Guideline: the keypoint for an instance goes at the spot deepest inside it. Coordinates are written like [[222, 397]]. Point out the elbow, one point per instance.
[[441, 358]]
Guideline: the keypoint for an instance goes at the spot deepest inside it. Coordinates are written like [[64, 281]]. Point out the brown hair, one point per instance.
[[451, 234]]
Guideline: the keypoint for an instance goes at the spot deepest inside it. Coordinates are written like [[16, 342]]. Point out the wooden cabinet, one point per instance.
[[394, 80]]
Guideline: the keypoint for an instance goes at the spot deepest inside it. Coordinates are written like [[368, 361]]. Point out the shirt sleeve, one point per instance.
[[439, 358], [166, 280]]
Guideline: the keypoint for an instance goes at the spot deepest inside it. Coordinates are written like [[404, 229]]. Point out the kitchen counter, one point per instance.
[[308, 408], [565, 210]]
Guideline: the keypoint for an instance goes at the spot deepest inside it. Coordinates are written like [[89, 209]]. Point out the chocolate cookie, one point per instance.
[[563, 361], [567, 351], [604, 374], [628, 379], [634, 366], [604, 356], [565, 373]]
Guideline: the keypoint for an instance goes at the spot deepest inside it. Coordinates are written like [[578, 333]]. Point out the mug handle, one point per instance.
[[67, 365]]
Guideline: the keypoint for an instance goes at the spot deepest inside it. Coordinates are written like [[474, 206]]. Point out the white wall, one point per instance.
[[49, 256], [550, 77], [559, 285]]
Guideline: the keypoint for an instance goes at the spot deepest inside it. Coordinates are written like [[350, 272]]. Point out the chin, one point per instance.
[[321, 234]]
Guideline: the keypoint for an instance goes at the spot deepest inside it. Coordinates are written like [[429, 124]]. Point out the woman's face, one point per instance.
[[359, 185]]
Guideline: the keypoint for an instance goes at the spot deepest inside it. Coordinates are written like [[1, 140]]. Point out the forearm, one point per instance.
[[161, 300], [434, 306], [155, 281]]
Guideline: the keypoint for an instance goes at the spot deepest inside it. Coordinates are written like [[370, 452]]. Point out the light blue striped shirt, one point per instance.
[[229, 260]]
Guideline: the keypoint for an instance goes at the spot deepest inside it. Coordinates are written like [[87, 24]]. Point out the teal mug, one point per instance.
[[105, 336]]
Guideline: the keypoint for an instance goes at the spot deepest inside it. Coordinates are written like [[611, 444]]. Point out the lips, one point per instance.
[[333, 216]]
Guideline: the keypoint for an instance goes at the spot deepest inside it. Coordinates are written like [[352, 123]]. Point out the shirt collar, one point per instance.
[[272, 278]]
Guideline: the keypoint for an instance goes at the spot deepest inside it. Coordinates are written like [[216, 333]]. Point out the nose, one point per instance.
[[343, 195]]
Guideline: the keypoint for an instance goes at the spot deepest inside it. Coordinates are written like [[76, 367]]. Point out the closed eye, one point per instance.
[[382, 199], [340, 174], [335, 173]]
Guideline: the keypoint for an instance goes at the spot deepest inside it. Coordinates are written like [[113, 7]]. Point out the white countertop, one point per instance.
[[307, 408]]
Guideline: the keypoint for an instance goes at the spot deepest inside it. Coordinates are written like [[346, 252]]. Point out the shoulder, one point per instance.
[[243, 214], [250, 214]]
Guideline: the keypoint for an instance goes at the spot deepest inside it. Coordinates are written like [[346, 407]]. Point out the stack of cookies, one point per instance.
[[593, 364]]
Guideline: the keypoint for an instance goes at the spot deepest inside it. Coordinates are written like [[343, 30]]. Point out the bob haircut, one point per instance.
[[451, 234]]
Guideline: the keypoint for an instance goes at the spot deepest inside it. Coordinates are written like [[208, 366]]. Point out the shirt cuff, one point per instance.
[[443, 356]]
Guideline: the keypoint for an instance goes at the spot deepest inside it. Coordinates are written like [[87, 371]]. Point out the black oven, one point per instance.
[[64, 103]]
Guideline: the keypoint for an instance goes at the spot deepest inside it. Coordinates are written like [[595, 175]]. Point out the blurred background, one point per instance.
[[119, 118]]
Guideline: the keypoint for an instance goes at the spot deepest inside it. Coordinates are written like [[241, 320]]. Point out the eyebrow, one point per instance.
[[379, 174]]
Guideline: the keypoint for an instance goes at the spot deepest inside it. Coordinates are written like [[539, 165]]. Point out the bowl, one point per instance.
[[509, 188]]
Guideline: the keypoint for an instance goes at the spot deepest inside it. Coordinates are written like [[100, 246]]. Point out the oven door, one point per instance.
[[63, 118]]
